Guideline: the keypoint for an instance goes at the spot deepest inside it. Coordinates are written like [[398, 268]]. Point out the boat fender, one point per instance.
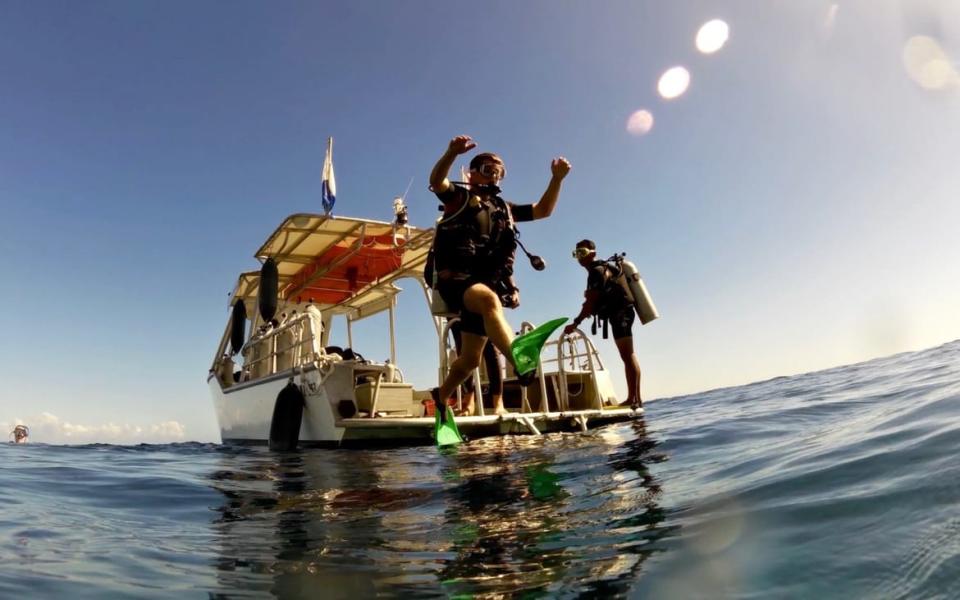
[[346, 409], [287, 417], [633, 284], [238, 326], [267, 293]]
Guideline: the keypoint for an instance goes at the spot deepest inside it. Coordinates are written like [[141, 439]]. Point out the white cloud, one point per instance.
[[50, 429]]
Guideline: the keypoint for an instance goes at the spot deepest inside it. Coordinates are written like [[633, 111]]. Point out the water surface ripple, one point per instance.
[[835, 484]]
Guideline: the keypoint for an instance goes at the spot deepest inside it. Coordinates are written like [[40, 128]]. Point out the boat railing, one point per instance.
[[568, 355], [526, 327], [448, 353], [291, 344], [581, 356]]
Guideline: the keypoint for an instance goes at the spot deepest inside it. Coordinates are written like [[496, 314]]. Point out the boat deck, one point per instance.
[[414, 430]]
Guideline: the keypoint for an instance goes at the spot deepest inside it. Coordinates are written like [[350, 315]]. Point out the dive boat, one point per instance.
[[278, 377]]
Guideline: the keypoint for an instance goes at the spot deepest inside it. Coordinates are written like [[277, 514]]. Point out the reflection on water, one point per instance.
[[835, 484], [556, 515]]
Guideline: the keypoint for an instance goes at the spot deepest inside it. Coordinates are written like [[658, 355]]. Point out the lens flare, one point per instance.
[[712, 36], [928, 65], [673, 83], [831, 19], [721, 530], [640, 122]]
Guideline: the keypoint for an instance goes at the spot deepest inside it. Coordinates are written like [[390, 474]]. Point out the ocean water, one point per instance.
[[836, 484]]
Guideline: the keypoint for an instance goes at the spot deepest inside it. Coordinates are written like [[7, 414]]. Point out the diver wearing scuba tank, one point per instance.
[[476, 242], [474, 248], [606, 300]]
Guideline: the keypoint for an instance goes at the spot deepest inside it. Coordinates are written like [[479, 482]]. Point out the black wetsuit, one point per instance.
[[465, 255]]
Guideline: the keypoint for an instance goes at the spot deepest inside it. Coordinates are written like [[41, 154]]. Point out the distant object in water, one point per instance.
[[20, 434]]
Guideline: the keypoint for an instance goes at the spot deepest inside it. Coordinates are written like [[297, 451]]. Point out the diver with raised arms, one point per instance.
[[473, 252]]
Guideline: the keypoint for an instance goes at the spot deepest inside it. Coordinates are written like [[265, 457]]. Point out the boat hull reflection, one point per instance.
[[499, 516]]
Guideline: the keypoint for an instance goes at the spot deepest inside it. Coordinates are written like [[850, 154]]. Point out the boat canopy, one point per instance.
[[340, 264]]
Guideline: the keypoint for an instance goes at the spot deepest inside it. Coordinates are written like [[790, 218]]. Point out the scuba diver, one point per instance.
[[610, 304], [471, 264]]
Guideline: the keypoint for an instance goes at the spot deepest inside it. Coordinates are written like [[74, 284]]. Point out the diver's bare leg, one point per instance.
[[631, 369], [480, 299], [467, 361], [491, 360]]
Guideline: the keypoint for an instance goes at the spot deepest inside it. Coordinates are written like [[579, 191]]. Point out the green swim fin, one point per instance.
[[526, 348], [445, 428]]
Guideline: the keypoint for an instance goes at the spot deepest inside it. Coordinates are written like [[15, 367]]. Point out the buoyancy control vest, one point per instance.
[[478, 241], [622, 287], [613, 298], [612, 295]]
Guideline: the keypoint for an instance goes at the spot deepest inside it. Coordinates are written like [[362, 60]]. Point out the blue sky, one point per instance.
[[793, 210]]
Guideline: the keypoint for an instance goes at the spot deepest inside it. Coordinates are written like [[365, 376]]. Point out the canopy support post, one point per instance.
[[393, 333]]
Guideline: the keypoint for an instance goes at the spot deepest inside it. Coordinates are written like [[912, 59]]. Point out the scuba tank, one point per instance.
[[629, 278]]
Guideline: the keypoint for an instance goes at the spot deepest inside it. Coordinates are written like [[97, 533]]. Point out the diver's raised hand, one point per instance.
[[438, 176], [462, 144], [560, 167]]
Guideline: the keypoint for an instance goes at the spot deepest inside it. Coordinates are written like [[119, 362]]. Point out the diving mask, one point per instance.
[[581, 252], [492, 170]]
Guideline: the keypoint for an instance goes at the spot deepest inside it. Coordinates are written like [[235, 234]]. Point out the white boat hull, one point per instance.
[[245, 412]]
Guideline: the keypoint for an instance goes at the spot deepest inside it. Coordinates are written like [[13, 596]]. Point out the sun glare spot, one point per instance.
[[831, 19], [640, 122], [928, 65], [673, 83], [722, 530], [712, 36]]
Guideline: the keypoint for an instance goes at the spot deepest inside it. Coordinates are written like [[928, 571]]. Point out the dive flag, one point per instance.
[[329, 188]]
